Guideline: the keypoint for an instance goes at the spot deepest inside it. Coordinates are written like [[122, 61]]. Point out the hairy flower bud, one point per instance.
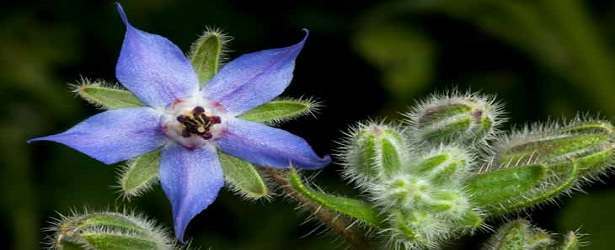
[[108, 230], [375, 151], [445, 165], [454, 118], [519, 234], [590, 143]]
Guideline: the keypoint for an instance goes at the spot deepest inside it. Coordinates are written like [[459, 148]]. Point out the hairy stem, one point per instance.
[[338, 224]]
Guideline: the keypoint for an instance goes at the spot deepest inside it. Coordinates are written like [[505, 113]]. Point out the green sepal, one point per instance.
[[519, 235], [594, 164], [280, 110], [357, 209], [206, 53], [489, 190], [105, 95], [243, 177], [139, 174], [109, 230], [404, 224], [471, 220], [570, 242]]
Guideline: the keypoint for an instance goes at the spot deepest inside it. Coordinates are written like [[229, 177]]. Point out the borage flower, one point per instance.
[[188, 123]]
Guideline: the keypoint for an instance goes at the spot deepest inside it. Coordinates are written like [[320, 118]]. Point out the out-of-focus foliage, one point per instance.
[[558, 35], [405, 58]]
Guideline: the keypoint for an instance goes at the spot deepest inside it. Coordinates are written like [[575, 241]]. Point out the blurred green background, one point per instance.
[[364, 59]]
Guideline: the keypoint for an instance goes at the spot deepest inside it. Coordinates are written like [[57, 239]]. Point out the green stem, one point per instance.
[[340, 225]]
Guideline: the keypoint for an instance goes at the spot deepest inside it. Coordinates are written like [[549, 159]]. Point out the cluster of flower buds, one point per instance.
[[416, 174], [443, 172]]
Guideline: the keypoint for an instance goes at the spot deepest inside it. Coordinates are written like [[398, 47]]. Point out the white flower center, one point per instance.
[[191, 124]]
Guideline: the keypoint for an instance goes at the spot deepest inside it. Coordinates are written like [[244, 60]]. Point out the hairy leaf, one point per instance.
[[497, 186], [560, 179]]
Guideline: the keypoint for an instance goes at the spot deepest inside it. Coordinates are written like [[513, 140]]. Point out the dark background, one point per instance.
[[364, 59]]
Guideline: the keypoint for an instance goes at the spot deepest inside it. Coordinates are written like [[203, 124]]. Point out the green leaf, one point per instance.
[[206, 54], [560, 179], [102, 94], [139, 174], [497, 186], [353, 208], [281, 110], [109, 230], [243, 177]]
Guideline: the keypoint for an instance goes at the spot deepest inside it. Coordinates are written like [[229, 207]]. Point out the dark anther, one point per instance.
[[215, 119], [197, 110], [198, 123]]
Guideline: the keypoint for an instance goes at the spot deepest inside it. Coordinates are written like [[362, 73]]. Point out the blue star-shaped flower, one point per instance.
[[190, 123]]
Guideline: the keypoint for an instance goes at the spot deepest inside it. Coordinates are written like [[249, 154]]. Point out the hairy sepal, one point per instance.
[[105, 95], [280, 110], [138, 175], [206, 54], [243, 178]]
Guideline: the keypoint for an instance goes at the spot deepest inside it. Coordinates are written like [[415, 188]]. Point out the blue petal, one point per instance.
[[253, 79], [153, 68], [267, 146], [114, 135], [191, 180]]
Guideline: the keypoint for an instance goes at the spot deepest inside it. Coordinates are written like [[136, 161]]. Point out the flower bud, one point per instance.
[[519, 234], [375, 151], [590, 143], [108, 230], [444, 166], [454, 118], [401, 191]]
